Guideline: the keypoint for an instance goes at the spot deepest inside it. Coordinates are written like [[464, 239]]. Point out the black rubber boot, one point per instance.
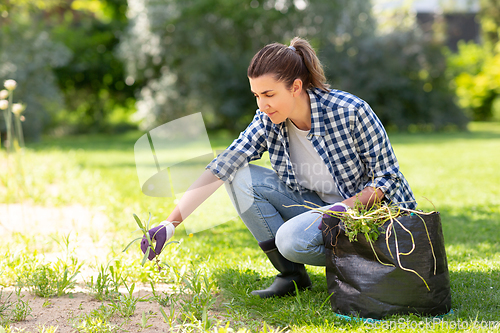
[[290, 272]]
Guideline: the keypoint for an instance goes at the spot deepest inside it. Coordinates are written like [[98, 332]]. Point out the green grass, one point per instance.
[[457, 172]]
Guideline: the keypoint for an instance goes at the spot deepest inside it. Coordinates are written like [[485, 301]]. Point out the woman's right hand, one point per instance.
[[198, 192], [160, 234]]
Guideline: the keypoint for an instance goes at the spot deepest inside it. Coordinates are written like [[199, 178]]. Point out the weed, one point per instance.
[[368, 221], [144, 230], [54, 278], [170, 318], [42, 281], [21, 309], [96, 321], [125, 305], [195, 300], [89, 324], [198, 288], [69, 273], [14, 311], [4, 308], [163, 300], [106, 284], [49, 329], [18, 265], [144, 319], [103, 312]]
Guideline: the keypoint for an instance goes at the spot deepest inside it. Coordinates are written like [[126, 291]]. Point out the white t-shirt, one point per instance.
[[310, 170]]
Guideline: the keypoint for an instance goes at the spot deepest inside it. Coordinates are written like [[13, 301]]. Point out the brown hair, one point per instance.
[[299, 61]]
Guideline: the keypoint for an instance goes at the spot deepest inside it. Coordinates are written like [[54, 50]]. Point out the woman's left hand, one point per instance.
[[337, 207]]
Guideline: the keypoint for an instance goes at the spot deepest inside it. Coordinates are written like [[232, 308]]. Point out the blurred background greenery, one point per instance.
[[86, 66]]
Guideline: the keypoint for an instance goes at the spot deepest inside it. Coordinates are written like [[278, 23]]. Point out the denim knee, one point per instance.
[[300, 241], [287, 245]]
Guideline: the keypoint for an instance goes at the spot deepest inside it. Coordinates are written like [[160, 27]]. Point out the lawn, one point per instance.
[[67, 214]]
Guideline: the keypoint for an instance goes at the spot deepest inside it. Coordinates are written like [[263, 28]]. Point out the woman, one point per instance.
[[326, 147]]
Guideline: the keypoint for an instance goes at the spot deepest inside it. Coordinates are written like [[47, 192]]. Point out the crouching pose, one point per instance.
[[326, 147]]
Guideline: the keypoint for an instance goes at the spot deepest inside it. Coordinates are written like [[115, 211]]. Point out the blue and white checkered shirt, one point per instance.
[[347, 135]]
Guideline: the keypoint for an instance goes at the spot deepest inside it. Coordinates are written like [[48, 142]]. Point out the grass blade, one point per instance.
[[165, 317], [297, 296], [324, 302], [139, 223], [146, 255], [132, 242]]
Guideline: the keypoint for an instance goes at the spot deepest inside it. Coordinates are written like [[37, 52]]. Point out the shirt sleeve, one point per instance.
[[376, 152], [249, 146]]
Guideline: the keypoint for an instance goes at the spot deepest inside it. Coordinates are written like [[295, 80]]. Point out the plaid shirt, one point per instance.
[[347, 135]]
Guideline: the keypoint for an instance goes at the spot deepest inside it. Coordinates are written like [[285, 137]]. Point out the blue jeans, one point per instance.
[[261, 200]]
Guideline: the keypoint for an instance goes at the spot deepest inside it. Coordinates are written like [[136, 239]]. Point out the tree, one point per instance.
[[97, 96], [62, 53], [192, 56], [28, 54], [474, 69], [489, 16], [402, 76]]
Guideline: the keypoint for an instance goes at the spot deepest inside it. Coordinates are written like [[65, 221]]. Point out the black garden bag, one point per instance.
[[364, 287]]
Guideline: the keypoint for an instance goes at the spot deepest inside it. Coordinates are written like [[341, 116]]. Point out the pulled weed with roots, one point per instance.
[[144, 229], [370, 221]]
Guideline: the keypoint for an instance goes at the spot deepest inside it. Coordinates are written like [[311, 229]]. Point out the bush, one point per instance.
[[402, 76], [96, 95], [62, 54], [192, 56], [475, 73]]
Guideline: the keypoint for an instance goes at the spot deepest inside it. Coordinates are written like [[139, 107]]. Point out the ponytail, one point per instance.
[[298, 61]]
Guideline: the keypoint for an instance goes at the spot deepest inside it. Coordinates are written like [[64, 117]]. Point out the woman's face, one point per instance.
[[273, 98]]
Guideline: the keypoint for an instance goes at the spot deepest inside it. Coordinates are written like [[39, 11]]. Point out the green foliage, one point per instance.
[[458, 171], [53, 279], [13, 311], [97, 97], [80, 63], [200, 287], [476, 77], [194, 300], [401, 75], [28, 54], [192, 56], [96, 321], [162, 299], [144, 320], [489, 16], [201, 61], [20, 309], [5, 305], [63, 56], [474, 70], [106, 283], [125, 304]]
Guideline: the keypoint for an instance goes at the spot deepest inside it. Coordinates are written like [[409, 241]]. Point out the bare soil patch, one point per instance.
[[88, 229], [63, 312]]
